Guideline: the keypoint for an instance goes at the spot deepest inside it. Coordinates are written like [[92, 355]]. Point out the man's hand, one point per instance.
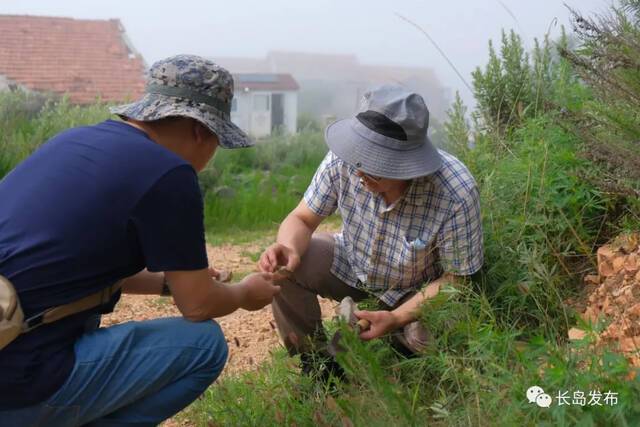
[[278, 255], [214, 272], [223, 276], [382, 322], [258, 291]]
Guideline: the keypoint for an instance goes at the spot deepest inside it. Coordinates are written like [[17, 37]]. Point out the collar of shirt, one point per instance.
[[415, 194]]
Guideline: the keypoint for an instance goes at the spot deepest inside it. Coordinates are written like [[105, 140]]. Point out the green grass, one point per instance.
[[541, 224], [476, 373], [238, 236], [254, 255], [27, 121], [262, 184]]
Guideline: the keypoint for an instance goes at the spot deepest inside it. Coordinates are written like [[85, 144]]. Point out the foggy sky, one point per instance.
[[368, 28]]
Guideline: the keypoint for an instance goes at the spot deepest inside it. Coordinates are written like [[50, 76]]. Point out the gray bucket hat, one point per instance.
[[189, 86], [388, 137]]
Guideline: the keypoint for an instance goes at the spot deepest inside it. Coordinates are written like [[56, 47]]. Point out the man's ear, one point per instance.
[[201, 133], [197, 131]]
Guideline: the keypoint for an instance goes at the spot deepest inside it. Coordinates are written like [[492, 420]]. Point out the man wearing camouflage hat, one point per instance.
[[110, 206]]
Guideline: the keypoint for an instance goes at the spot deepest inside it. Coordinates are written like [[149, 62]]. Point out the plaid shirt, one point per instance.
[[393, 250]]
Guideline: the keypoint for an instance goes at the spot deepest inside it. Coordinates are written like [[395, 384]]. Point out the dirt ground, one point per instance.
[[251, 335]]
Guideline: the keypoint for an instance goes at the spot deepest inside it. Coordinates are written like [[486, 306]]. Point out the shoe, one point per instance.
[[322, 368]]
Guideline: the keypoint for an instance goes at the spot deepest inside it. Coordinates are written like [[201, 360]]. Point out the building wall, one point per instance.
[[4, 83], [253, 122], [332, 85], [291, 111], [7, 84], [260, 120], [240, 117]]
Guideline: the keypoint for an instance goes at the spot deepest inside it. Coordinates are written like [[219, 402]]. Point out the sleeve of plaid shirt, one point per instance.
[[460, 240], [322, 195]]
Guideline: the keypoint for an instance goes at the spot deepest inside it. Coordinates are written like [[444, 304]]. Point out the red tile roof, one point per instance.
[[82, 58], [274, 82]]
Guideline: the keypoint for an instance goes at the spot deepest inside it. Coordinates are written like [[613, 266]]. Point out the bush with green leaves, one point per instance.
[[456, 129], [516, 85], [608, 62], [503, 89], [267, 182], [308, 123], [27, 120]]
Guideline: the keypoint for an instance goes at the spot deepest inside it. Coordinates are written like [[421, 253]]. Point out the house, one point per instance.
[[83, 59], [264, 103], [332, 84]]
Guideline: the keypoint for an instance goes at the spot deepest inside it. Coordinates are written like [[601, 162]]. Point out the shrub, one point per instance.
[[269, 180], [27, 120], [511, 88], [456, 128], [608, 62]]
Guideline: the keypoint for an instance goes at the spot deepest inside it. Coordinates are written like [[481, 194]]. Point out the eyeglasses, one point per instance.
[[372, 178], [363, 176]]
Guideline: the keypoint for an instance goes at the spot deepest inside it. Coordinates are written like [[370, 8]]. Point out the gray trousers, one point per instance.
[[297, 311]]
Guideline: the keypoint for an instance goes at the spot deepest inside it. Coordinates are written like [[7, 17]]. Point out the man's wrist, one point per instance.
[[238, 293], [401, 317]]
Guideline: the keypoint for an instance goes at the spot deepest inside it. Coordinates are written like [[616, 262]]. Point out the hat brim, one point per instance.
[[154, 107], [373, 158]]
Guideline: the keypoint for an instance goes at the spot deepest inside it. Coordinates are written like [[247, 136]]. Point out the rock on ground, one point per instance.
[[615, 296]]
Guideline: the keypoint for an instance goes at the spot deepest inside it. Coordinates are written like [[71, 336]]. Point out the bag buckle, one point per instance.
[[33, 322]]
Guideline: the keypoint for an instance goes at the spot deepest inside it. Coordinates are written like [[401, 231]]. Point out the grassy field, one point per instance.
[[29, 120], [254, 189]]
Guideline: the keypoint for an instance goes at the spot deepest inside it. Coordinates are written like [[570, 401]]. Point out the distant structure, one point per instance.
[[83, 59], [265, 103], [332, 85]]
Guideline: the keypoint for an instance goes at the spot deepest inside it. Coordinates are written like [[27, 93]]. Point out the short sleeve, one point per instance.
[[169, 223], [321, 195], [460, 240]]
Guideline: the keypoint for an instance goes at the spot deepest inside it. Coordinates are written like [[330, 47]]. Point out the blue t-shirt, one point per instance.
[[91, 206]]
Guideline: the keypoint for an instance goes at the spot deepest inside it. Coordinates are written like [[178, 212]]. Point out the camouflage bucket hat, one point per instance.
[[189, 86]]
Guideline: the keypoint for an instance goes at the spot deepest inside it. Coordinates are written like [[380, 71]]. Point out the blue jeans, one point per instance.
[[132, 374]]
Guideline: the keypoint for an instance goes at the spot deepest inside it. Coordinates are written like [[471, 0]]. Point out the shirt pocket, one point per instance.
[[412, 260]]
